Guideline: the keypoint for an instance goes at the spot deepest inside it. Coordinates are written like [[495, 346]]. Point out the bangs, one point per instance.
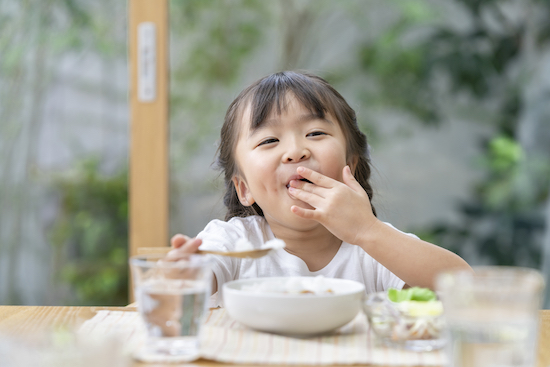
[[270, 95]]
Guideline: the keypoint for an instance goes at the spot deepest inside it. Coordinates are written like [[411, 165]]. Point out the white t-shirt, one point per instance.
[[350, 262]]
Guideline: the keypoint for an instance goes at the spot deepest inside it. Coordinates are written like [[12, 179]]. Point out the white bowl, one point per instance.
[[293, 314]]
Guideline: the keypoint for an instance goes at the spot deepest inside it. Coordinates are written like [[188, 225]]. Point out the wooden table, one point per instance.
[[26, 320]]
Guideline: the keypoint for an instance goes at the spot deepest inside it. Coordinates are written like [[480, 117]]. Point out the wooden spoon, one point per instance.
[[250, 254]]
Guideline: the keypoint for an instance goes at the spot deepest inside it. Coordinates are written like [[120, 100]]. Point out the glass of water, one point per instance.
[[172, 299], [491, 315]]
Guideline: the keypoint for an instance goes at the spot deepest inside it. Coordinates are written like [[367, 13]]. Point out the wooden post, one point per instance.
[[148, 173]]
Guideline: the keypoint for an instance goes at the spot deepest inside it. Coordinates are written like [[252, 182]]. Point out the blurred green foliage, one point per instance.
[[91, 236], [401, 69], [36, 40], [218, 37], [503, 221]]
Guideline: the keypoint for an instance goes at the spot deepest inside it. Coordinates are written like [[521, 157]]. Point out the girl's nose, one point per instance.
[[296, 155]]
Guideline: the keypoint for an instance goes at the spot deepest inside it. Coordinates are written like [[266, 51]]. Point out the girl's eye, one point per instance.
[[316, 133], [268, 141]]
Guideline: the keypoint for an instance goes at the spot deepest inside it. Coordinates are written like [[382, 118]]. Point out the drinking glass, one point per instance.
[[172, 299], [492, 315]]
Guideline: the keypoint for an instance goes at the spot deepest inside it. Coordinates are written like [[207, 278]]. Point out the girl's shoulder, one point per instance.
[[237, 224], [253, 228]]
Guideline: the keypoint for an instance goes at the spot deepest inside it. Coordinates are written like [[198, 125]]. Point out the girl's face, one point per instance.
[[267, 159]]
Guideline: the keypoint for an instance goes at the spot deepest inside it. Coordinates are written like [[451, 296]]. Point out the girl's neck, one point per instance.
[[315, 247]]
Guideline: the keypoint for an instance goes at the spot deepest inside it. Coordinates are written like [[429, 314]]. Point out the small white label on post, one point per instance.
[[147, 62]]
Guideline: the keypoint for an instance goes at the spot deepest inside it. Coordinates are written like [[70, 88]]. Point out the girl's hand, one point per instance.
[[342, 207], [181, 245]]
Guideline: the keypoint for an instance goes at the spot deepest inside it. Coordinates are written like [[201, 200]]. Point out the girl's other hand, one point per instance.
[[342, 207], [181, 245]]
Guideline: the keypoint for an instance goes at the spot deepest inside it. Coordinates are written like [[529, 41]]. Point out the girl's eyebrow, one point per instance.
[[273, 121], [313, 116]]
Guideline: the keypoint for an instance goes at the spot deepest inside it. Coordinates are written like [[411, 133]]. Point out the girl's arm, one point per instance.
[[344, 209], [415, 261]]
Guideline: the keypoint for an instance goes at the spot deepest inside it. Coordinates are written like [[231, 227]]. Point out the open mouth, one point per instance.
[[301, 179]]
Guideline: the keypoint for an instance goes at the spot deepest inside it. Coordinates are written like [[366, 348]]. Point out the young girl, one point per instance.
[[296, 168]]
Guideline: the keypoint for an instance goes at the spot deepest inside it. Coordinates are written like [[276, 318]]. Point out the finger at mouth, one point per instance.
[[302, 179]]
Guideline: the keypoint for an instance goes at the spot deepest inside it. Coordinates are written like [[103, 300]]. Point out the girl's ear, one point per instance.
[[244, 194]]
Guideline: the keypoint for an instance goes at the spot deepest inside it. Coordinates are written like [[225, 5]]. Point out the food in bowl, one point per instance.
[[411, 318], [292, 285], [298, 306]]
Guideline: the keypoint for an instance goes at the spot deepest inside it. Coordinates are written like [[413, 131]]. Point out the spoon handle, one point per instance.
[[252, 254], [165, 249], [153, 250]]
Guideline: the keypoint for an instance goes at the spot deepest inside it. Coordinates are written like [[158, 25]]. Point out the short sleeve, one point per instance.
[[385, 279]]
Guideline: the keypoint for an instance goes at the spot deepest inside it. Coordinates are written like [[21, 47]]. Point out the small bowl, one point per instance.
[[416, 326], [260, 303]]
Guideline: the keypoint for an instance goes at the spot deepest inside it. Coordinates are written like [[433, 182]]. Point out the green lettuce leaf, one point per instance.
[[411, 294]]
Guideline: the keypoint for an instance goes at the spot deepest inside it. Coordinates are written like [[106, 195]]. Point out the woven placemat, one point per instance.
[[226, 340]]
